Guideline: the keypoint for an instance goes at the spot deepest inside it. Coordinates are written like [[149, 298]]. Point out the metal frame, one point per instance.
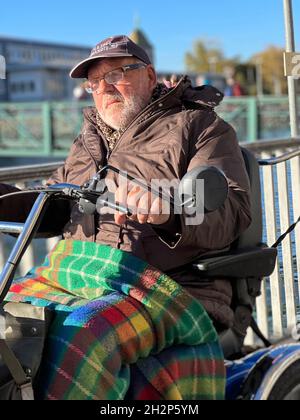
[[290, 48], [27, 232], [281, 191]]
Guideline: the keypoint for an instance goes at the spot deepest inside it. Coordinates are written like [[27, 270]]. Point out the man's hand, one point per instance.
[[144, 206]]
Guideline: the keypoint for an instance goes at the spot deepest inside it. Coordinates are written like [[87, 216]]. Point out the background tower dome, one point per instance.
[[141, 39]]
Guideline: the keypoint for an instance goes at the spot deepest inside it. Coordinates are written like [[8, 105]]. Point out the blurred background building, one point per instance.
[[41, 106], [38, 71]]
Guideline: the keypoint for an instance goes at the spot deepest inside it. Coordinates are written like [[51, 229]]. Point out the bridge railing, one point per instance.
[[48, 128], [278, 309], [39, 128], [257, 118]]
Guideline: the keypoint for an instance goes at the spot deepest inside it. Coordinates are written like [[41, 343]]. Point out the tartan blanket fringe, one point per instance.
[[122, 329]]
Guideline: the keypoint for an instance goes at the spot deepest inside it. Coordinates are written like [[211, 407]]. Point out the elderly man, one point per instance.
[[142, 127], [154, 132]]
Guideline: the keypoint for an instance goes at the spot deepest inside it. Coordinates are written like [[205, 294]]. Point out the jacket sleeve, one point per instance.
[[60, 176], [216, 145]]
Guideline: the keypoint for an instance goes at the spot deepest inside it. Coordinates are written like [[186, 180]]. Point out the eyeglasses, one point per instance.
[[113, 77]]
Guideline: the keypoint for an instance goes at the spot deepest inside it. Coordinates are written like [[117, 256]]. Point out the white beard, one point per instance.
[[131, 107]]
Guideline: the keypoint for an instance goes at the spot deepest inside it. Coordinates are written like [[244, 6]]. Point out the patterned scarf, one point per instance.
[[111, 135]]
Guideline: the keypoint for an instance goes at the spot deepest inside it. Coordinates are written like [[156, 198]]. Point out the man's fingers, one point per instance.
[[128, 196], [144, 206], [133, 198], [120, 219], [133, 202], [121, 198], [159, 212]]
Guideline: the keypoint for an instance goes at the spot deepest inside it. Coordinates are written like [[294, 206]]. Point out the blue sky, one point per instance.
[[241, 27]]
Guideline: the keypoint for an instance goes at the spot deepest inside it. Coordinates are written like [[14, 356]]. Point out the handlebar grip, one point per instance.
[[109, 201]]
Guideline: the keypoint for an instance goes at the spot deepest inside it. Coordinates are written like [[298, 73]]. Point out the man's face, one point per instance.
[[118, 104]]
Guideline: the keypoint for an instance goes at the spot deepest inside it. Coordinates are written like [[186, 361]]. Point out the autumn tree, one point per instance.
[[270, 63], [207, 56]]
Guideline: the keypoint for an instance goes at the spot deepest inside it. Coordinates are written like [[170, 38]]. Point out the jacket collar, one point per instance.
[[207, 96], [181, 95]]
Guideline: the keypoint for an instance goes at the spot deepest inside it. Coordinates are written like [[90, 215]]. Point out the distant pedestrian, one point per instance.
[[233, 88]]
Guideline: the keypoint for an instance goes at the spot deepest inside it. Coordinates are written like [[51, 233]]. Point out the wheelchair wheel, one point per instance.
[[287, 388]]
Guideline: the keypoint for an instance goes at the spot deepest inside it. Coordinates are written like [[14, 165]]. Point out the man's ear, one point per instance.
[[152, 77]]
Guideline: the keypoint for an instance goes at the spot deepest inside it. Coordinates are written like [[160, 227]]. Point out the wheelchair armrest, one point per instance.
[[244, 263]]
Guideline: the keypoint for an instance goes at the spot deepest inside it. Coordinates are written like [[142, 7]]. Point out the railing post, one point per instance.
[[47, 129], [290, 47], [252, 121]]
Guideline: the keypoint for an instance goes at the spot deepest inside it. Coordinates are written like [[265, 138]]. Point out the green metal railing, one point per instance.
[[257, 118], [40, 129], [47, 129]]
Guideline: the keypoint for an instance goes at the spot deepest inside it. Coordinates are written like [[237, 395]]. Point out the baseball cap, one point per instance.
[[115, 46]]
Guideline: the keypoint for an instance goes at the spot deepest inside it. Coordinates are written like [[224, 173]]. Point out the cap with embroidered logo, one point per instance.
[[115, 46]]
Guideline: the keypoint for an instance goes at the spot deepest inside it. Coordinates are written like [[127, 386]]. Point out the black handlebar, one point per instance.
[[95, 191]]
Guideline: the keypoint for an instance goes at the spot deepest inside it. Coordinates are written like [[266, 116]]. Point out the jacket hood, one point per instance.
[[205, 95]]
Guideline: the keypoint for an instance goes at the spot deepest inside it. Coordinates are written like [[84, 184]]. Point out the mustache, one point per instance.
[[113, 97]]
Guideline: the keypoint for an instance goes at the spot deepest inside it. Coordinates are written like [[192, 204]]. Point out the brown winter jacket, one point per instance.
[[172, 135]]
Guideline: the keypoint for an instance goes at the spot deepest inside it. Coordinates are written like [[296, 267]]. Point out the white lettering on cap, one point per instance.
[[107, 46]]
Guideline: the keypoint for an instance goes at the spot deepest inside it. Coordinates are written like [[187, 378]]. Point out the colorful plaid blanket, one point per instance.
[[122, 329]]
